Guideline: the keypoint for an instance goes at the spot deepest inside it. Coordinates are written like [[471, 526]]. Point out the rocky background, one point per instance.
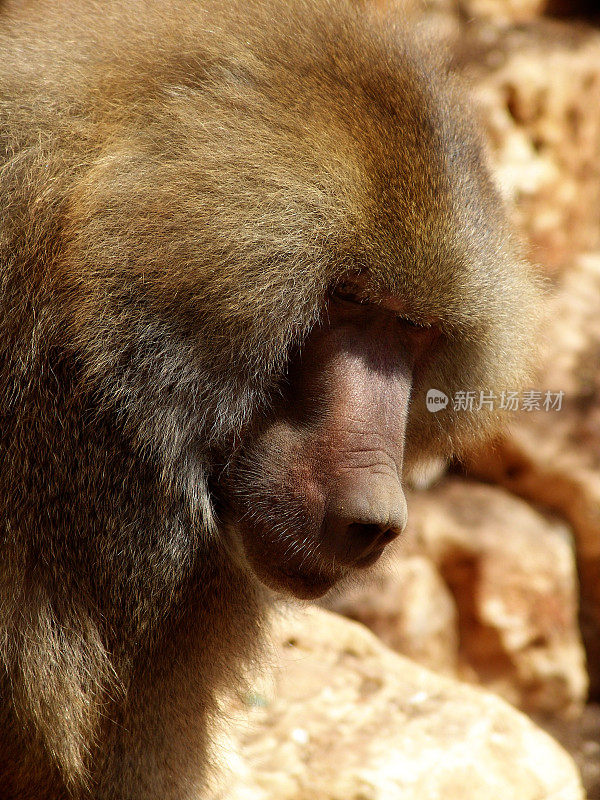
[[497, 583]]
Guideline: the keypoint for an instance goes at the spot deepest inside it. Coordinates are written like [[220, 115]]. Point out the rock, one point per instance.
[[581, 738], [553, 458], [408, 605], [350, 720], [538, 87], [539, 471], [505, 11], [572, 361], [512, 574], [484, 588]]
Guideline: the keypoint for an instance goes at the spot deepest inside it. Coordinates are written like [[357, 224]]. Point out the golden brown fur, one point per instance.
[[181, 183]]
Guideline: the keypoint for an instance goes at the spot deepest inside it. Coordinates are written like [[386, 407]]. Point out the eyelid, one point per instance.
[[351, 293], [354, 293], [411, 322]]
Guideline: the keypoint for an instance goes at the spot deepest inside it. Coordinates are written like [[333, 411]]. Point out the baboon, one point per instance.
[[239, 241]]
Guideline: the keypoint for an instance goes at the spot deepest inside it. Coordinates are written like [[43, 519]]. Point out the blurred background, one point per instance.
[[498, 582]]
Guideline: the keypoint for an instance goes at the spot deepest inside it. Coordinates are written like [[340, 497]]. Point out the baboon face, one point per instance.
[[318, 490], [320, 486]]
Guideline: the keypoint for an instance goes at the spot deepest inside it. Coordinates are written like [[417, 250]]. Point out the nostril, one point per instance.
[[388, 535], [365, 542], [368, 532], [371, 534], [357, 528]]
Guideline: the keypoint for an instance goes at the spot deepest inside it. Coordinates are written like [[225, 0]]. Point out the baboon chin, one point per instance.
[[239, 243]]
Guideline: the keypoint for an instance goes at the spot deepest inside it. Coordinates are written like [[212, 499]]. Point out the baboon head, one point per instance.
[[277, 260]]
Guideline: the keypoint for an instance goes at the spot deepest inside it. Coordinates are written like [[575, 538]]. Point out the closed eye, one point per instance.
[[412, 324], [354, 293], [350, 293]]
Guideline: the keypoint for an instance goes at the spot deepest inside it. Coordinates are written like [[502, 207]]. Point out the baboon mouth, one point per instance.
[[369, 559], [291, 576], [303, 585], [311, 585]]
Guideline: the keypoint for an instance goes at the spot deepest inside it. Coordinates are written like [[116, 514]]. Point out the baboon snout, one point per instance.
[[362, 520]]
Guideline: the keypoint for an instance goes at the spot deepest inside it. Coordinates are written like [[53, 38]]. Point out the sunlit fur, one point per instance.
[[181, 183]]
